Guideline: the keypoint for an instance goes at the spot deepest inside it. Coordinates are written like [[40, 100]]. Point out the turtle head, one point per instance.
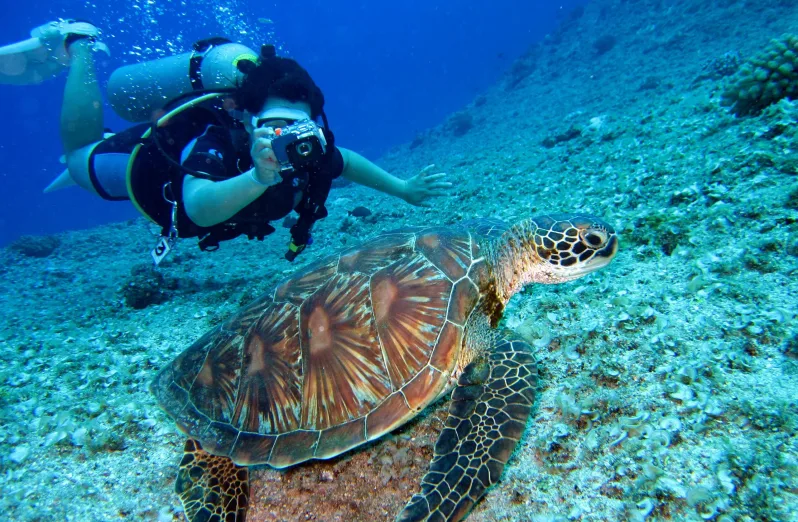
[[551, 249], [569, 246]]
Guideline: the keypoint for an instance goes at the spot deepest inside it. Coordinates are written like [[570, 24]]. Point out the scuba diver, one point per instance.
[[230, 141]]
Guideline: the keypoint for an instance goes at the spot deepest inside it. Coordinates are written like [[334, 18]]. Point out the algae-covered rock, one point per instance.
[[146, 287], [768, 77], [35, 246], [460, 123], [791, 347]]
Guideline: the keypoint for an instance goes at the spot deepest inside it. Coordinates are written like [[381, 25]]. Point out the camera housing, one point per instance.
[[298, 145]]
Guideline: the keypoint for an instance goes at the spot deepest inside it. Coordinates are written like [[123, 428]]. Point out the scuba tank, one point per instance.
[[138, 91]]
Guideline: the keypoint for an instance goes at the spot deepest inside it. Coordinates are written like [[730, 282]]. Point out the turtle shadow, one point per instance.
[[370, 483]]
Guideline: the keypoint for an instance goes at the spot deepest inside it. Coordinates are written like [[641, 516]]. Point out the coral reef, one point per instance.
[[768, 77], [721, 67]]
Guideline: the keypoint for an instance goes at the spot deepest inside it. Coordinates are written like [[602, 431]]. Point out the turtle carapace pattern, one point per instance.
[[357, 344]]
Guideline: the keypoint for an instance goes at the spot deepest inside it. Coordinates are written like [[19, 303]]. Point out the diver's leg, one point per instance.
[[82, 111]]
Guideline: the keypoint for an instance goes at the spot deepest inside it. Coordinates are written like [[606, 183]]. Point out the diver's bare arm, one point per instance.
[[211, 202], [360, 170]]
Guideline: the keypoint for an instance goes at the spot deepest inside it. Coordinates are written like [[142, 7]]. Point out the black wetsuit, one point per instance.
[[224, 154], [221, 153]]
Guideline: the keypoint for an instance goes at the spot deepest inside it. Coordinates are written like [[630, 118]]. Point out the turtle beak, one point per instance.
[[605, 255], [600, 259]]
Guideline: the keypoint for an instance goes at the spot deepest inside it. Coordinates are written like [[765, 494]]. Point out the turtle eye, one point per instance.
[[593, 238]]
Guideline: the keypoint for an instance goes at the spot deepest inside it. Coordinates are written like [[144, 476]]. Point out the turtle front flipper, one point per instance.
[[212, 488], [487, 417]]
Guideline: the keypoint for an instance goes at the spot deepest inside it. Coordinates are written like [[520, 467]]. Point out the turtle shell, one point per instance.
[[337, 355]]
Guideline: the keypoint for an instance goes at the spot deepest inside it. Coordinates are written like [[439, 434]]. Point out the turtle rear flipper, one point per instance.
[[212, 488], [486, 419]]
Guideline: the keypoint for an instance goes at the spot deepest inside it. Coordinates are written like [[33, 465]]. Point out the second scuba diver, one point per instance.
[[232, 141]]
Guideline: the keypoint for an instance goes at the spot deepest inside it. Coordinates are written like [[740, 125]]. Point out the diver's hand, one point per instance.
[[263, 158], [425, 185]]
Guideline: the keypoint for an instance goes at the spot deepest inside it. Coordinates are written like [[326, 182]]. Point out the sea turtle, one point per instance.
[[358, 344]]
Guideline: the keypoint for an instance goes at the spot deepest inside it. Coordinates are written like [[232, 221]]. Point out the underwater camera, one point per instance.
[[299, 145]]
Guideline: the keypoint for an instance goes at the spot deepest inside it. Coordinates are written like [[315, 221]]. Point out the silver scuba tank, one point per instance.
[[137, 92]]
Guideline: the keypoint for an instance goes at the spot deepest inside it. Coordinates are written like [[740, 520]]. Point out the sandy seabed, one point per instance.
[[668, 380]]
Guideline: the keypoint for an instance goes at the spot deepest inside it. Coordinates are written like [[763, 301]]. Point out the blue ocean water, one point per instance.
[[388, 70], [666, 382]]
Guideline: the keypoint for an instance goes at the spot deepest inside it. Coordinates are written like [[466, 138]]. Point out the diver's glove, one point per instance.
[[294, 250]]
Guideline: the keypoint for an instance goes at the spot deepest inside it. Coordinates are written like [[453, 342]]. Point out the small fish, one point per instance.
[[359, 212], [289, 221], [265, 20]]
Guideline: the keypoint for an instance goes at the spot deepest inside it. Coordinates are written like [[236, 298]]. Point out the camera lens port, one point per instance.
[[304, 148]]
